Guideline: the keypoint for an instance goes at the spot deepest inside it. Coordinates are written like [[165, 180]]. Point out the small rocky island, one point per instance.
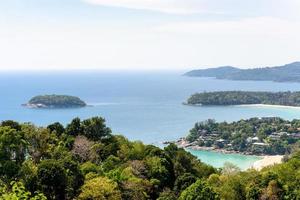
[[55, 101], [225, 98]]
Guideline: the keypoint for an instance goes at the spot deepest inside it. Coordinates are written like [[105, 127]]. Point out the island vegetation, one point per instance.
[[55, 101], [286, 73], [225, 98], [84, 161], [258, 136]]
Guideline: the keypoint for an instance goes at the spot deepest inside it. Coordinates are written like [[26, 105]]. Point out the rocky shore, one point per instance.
[[30, 105]]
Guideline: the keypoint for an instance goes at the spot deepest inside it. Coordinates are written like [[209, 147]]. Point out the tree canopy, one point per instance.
[[55, 101], [225, 98], [84, 160], [269, 135]]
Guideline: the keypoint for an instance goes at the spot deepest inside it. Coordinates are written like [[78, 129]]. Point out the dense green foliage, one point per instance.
[[277, 182], [198, 191], [17, 191], [255, 136], [286, 73], [245, 97], [85, 161], [57, 101]]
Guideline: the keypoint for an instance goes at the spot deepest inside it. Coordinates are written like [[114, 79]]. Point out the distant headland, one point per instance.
[[285, 73], [224, 98], [55, 101]]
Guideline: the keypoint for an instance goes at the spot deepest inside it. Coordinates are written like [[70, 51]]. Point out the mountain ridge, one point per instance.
[[285, 73]]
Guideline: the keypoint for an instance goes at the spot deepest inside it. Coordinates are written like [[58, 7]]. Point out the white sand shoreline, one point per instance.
[[267, 161], [268, 105], [264, 161]]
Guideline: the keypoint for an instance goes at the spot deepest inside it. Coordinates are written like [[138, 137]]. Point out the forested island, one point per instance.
[[286, 73], [258, 136], [85, 161], [225, 98], [55, 101]]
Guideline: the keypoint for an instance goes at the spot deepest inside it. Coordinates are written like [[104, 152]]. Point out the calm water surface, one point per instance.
[[144, 106]]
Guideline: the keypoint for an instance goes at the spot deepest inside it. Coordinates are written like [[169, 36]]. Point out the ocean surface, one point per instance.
[[144, 106]]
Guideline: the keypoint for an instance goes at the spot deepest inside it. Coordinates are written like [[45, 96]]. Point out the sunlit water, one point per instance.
[[218, 159], [144, 106]]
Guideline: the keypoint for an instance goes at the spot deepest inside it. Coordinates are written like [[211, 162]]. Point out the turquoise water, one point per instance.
[[144, 106], [218, 159]]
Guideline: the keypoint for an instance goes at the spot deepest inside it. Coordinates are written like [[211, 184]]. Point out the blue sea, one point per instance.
[[144, 106]]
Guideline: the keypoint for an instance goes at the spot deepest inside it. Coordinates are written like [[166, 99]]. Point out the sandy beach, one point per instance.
[[268, 105], [267, 161]]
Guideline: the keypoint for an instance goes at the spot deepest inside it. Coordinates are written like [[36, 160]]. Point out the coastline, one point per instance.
[[212, 149], [268, 106], [42, 106], [264, 161], [182, 143], [245, 105], [267, 161]]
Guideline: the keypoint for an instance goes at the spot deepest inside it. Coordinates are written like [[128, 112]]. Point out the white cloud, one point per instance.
[[166, 6], [246, 8], [258, 26], [249, 42], [264, 38]]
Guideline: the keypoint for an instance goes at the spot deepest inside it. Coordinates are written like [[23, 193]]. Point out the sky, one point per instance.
[[147, 34]]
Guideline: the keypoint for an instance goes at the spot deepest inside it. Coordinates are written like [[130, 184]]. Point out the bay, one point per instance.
[[144, 106]]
